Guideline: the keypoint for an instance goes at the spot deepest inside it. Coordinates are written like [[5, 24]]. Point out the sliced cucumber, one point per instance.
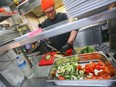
[[81, 72], [47, 57]]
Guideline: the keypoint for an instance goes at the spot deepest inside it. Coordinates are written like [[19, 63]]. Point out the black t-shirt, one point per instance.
[[59, 40]]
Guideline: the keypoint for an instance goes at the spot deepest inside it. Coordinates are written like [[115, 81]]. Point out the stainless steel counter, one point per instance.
[[38, 77], [41, 82], [38, 71]]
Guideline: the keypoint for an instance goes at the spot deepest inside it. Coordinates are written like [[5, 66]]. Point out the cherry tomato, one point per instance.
[[99, 77], [97, 67], [100, 63], [87, 65], [94, 77], [106, 76], [93, 64], [79, 67], [91, 70], [87, 71], [61, 78]]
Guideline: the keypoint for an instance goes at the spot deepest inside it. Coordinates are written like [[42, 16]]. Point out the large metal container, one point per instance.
[[84, 58]]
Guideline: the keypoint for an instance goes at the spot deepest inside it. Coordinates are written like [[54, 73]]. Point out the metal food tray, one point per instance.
[[84, 58]]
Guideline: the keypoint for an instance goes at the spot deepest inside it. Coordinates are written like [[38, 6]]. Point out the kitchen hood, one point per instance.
[[33, 7]]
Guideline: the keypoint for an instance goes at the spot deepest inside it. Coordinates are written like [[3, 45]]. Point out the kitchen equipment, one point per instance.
[[103, 47]]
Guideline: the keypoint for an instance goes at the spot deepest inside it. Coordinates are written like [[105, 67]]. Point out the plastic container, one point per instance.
[[22, 64]]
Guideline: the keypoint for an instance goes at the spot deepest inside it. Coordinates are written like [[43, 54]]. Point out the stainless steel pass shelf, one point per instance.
[[4, 16], [64, 28]]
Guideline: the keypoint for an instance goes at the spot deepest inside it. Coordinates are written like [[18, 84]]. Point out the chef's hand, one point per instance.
[[65, 48]]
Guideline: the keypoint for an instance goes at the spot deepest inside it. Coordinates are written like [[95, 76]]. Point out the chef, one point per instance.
[[61, 42]]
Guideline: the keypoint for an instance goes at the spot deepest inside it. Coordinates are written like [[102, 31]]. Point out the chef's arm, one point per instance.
[[72, 37]]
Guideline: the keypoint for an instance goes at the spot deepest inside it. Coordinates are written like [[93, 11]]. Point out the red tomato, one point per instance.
[[97, 67], [91, 70], [2, 10], [106, 76], [94, 77], [93, 64], [100, 63], [79, 67], [99, 77], [102, 73], [87, 65], [87, 71], [61, 78]]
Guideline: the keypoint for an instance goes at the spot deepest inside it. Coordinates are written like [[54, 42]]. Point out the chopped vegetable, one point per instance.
[[79, 67], [70, 71], [96, 71], [87, 49], [61, 78], [47, 57]]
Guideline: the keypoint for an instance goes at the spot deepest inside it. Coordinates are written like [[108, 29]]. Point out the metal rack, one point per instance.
[[7, 36], [4, 16], [65, 27]]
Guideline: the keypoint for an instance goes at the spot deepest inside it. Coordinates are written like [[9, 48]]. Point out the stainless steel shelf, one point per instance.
[[5, 31], [4, 16], [7, 36], [64, 28]]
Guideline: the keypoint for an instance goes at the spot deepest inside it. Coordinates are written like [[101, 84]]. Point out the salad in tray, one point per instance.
[[69, 71], [72, 69]]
